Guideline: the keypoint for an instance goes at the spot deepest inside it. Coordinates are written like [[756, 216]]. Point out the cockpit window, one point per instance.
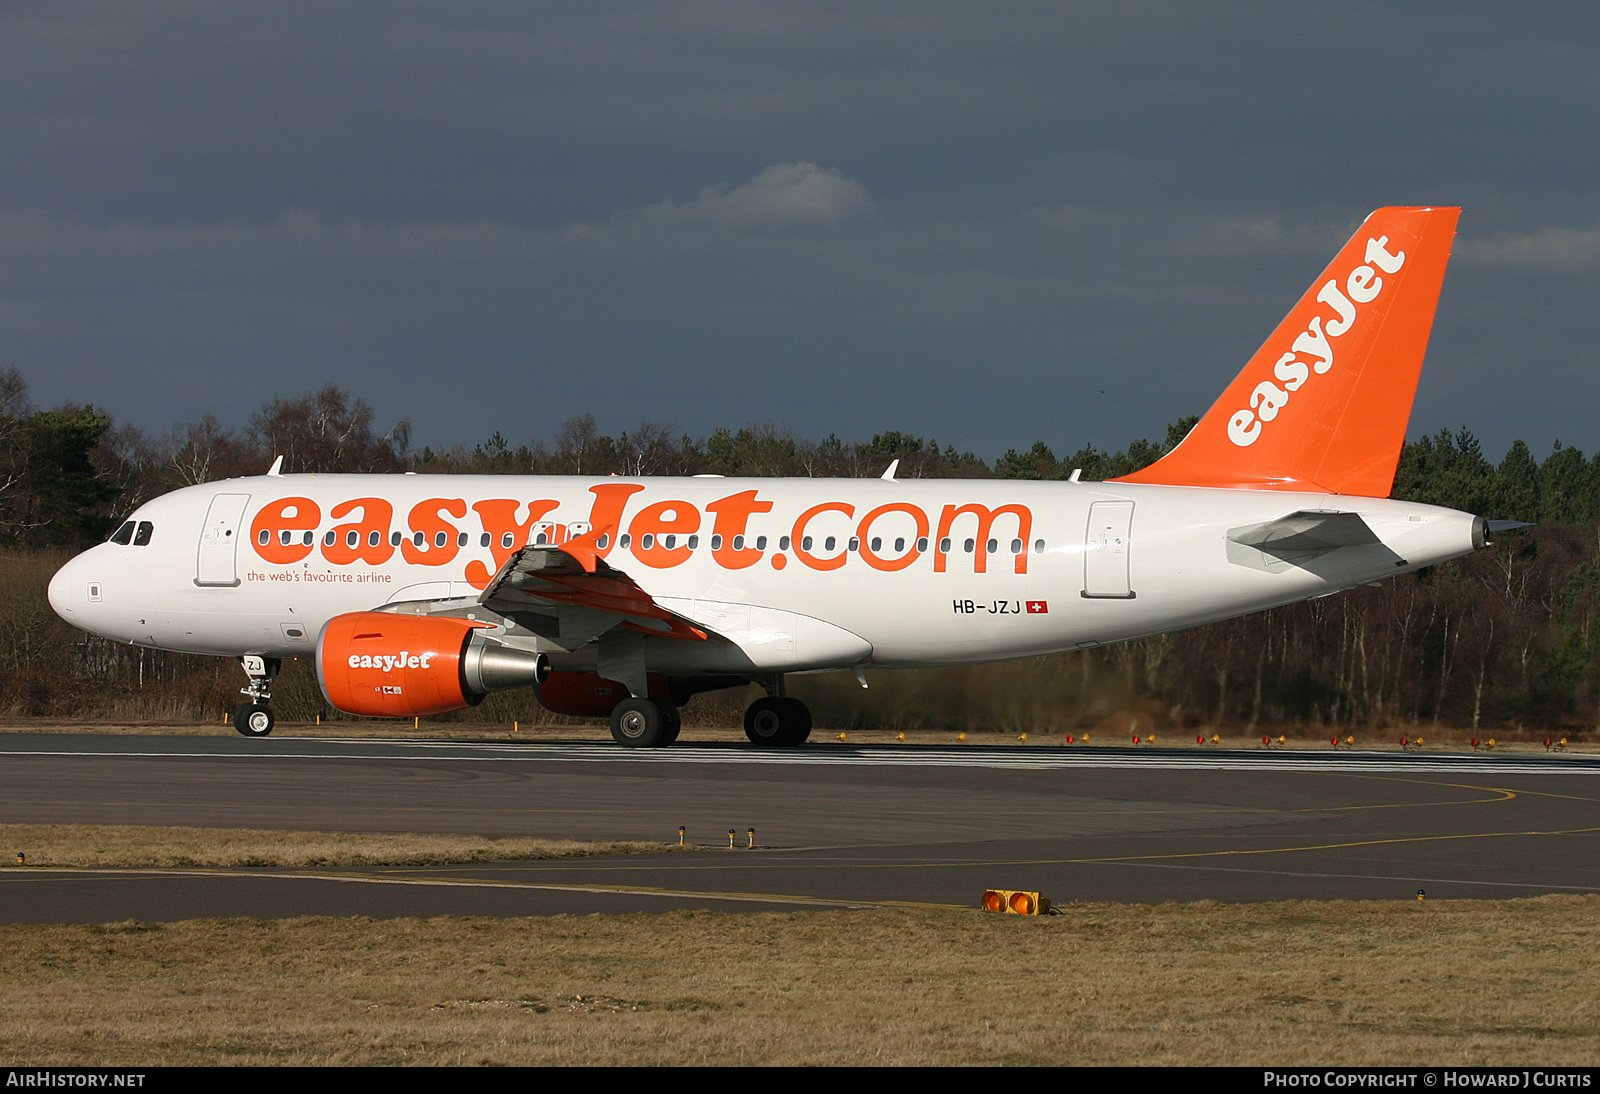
[[123, 535], [141, 538]]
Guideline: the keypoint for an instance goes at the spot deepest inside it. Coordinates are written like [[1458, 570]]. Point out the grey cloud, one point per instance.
[[784, 195], [1549, 250]]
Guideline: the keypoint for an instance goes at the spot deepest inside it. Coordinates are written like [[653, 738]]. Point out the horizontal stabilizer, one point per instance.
[[1308, 532]]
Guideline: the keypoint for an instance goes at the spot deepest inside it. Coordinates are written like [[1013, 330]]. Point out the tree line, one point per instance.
[[1505, 638]]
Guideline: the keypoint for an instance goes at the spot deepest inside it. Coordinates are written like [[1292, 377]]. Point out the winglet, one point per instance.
[[277, 467], [585, 549], [1323, 405]]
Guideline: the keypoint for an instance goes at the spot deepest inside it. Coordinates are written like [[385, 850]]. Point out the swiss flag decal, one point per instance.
[[1038, 607]]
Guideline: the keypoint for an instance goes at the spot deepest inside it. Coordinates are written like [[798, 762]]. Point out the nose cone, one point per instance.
[[60, 592]]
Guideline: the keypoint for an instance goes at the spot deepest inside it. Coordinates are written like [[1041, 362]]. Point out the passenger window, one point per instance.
[[141, 538], [124, 535]]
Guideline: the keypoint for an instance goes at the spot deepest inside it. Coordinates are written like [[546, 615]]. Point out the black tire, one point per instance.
[[638, 723], [772, 722], [674, 724], [802, 713], [254, 720]]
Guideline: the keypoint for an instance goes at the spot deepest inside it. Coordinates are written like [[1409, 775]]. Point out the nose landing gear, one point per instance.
[[254, 719]]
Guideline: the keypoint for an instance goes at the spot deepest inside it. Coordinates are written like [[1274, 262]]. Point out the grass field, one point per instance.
[[119, 845], [1464, 982]]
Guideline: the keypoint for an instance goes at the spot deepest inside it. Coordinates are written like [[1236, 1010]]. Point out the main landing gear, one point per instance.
[[254, 719], [773, 721], [645, 723], [777, 721]]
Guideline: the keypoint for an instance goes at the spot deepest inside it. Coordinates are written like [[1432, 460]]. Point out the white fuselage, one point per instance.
[[826, 573]]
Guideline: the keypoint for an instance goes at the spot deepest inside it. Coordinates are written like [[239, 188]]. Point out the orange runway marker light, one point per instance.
[[682, 832], [1023, 738], [1015, 902], [22, 859], [752, 839], [731, 834]]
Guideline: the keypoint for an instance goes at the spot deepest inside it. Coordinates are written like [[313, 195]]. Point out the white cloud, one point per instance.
[[784, 195], [1547, 249]]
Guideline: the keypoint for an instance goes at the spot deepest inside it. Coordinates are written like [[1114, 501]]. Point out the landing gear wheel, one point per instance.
[[802, 720], [774, 722], [674, 723], [639, 723], [254, 720]]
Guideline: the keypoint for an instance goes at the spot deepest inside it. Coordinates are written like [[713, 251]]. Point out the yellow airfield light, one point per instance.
[[1015, 901]]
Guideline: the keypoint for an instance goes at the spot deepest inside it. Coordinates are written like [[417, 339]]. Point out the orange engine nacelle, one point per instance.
[[386, 665], [585, 695]]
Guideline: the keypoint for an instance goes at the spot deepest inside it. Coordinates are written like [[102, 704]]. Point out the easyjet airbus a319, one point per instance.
[[420, 594]]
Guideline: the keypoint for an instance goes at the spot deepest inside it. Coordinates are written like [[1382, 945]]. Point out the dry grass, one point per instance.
[[120, 845], [1469, 982], [1298, 739]]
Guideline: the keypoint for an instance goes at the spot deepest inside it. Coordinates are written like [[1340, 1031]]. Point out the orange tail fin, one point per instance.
[[1323, 405]]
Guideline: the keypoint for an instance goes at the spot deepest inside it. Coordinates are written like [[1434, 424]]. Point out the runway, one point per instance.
[[836, 824]]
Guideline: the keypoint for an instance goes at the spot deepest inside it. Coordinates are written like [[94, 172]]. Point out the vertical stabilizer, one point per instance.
[[1324, 403]]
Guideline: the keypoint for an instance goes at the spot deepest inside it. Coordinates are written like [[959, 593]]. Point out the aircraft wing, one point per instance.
[[568, 594]]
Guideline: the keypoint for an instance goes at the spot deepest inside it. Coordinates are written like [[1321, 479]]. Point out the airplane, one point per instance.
[[622, 597]]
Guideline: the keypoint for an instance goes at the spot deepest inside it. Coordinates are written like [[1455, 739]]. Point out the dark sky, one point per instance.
[[988, 223]]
